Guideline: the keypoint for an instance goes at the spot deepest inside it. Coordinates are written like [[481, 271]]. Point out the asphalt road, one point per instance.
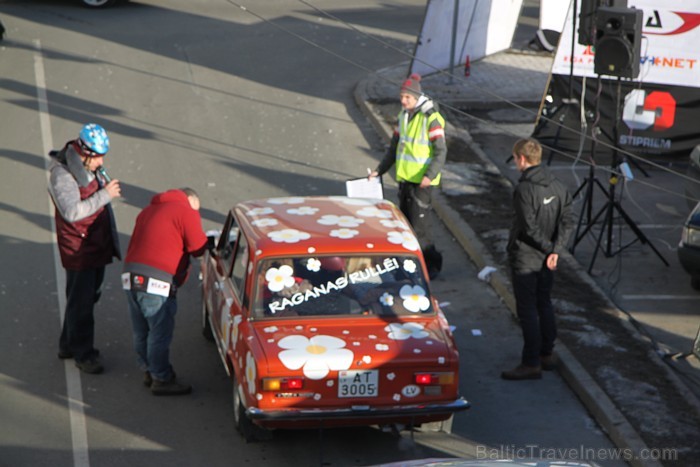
[[204, 94]]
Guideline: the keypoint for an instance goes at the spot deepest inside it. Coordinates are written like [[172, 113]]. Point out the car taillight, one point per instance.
[[282, 384], [429, 379]]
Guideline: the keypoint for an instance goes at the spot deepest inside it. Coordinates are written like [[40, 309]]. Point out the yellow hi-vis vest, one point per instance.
[[414, 153]]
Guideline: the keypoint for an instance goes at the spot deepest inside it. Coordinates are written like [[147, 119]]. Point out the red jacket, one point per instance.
[[166, 233]]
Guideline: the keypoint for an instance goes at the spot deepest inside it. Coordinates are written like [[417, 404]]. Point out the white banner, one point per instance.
[[670, 36], [484, 27], [553, 14]]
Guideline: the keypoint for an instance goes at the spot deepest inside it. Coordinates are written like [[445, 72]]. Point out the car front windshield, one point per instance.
[[341, 285]]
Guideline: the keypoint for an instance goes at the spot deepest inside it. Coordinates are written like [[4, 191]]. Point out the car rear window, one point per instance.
[[341, 285]]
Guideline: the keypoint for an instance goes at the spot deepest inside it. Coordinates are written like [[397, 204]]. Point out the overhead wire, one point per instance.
[[456, 110]]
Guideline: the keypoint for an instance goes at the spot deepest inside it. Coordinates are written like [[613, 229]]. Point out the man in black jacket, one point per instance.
[[542, 225]]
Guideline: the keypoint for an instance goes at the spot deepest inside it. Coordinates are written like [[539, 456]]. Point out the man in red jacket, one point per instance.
[[167, 232]]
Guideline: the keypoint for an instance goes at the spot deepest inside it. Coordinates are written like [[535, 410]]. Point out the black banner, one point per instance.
[[649, 121]]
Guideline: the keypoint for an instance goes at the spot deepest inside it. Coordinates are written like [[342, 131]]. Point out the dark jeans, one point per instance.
[[83, 290], [536, 314], [153, 322], [415, 204]]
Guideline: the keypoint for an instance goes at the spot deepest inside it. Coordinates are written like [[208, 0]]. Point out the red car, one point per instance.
[[322, 314]]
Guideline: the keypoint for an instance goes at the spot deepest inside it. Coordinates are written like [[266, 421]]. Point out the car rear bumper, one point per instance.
[[361, 413]]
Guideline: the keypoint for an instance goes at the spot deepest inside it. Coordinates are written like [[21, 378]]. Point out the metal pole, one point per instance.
[[573, 46], [455, 17]]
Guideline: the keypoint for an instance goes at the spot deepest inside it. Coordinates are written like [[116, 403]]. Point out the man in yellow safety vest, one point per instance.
[[419, 151]]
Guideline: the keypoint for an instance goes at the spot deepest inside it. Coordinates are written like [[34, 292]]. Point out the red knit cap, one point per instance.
[[412, 85]]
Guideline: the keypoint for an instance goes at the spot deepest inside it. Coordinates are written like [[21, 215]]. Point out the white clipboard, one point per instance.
[[365, 188]]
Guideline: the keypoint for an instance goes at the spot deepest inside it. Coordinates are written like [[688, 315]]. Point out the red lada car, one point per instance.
[[322, 314]]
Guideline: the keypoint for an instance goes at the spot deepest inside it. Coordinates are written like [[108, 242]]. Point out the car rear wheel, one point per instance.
[[240, 419], [206, 326], [98, 3]]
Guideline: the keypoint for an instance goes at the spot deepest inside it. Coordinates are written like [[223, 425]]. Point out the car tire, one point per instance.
[[695, 282], [241, 420], [206, 326], [98, 3]]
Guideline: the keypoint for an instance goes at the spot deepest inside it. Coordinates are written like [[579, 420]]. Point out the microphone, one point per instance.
[[101, 170]]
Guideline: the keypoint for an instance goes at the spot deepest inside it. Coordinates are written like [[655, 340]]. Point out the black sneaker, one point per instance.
[[147, 379], [170, 388], [91, 365]]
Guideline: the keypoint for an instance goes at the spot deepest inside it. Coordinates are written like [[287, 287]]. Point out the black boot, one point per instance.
[[170, 388]]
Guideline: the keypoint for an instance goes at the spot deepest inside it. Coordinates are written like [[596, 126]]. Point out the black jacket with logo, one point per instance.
[[543, 220]]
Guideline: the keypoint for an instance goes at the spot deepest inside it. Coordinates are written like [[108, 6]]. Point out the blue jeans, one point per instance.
[[153, 322], [535, 313]]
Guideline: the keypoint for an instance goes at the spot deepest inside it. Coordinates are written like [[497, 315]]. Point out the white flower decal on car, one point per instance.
[[353, 201], [373, 211], [394, 224], [313, 265], [234, 329], [303, 211], [317, 355], [342, 221], [344, 233], [414, 298], [286, 200], [250, 372], [265, 222], [386, 299], [403, 331], [279, 278], [409, 266], [288, 236], [406, 239], [259, 211]]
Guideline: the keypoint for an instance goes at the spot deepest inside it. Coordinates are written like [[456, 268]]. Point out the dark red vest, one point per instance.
[[86, 243]]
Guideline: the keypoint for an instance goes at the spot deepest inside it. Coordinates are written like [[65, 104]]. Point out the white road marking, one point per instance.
[[661, 297], [74, 389]]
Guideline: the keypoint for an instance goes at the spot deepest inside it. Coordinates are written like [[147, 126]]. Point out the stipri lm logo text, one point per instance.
[[655, 111]]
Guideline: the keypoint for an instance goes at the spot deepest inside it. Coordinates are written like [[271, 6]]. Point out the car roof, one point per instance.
[[320, 225]]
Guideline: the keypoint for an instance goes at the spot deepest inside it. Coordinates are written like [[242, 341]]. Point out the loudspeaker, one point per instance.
[[586, 18], [586, 22], [618, 41]]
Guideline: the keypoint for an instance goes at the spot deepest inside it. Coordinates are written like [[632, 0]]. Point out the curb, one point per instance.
[[616, 425]]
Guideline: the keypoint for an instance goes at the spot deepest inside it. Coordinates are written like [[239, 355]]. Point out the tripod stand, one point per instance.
[[612, 203], [566, 103]]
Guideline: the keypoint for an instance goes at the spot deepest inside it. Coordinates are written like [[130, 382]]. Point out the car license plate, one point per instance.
[[353, 383]]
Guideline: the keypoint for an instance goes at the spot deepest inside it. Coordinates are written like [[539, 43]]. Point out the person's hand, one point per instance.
[[552, 260], [372, 175], [113, 189], [425, 183], [297, 287]]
